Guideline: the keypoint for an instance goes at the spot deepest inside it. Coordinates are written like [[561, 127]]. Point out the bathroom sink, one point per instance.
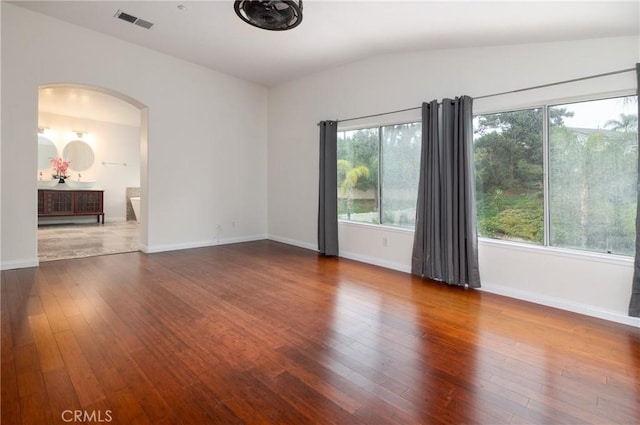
[[42, 184], [83, 184]]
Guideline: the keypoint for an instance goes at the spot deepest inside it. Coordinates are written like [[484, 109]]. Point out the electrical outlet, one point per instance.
[[384, 241], [233, 224]]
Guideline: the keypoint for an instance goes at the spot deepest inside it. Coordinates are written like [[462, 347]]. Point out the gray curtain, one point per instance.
[[445, 245], [328, 193], [634, 304]]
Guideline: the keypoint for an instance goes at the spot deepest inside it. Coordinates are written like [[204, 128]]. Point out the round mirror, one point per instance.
[[79, 154], [46, 152]]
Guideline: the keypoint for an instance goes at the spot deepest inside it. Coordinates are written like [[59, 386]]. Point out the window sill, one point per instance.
[[619, 260], [614, 259], [381, 227]]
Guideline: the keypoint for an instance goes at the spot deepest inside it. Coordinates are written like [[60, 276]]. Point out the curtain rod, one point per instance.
[[573, 80]]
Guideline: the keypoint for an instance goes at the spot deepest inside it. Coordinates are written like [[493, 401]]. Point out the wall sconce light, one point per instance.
[[45, 132]]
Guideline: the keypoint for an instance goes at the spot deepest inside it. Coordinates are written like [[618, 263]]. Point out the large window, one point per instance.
[[590, 157], [378, 171], [509, 175], [593, 163]]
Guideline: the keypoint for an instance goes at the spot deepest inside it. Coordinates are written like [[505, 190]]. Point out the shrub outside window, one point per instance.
[[508, 149]]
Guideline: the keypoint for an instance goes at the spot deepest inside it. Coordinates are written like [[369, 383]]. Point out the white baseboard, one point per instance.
[[559, 303], [376, 262], [345, 254], [293, 242], [199, 244], [19, 264], [548, 301]]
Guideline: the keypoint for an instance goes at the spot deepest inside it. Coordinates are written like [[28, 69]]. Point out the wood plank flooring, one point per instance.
[[265, 333]]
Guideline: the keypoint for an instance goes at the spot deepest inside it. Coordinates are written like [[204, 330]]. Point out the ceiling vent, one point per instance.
[[132, 19], [273, 15]]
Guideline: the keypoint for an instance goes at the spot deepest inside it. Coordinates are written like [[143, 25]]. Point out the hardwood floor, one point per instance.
[[265, 333]]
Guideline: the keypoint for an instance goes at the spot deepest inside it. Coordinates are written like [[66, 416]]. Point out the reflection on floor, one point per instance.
[[61, 241]]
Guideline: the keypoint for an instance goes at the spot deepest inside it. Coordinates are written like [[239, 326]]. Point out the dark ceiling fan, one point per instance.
[[273, 15]]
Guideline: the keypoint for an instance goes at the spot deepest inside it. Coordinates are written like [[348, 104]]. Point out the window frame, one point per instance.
[[545, 246], [379, 127]]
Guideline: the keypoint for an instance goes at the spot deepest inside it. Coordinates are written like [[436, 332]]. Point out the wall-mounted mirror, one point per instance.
[[79, 154], [46, 152]]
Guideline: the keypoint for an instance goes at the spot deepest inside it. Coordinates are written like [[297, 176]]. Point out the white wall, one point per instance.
[[111, 143], [203, 165], [590, 284], [203, 171]]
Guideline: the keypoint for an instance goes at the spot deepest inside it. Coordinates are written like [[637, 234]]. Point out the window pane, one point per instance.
[[509, 175], [358, 175], [593, 174], [400, 173]]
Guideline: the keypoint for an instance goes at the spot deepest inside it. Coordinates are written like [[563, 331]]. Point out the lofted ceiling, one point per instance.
[[333, 33], [83, 103]]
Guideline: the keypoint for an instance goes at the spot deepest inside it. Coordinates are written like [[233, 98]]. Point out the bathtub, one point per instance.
[[135, 203]]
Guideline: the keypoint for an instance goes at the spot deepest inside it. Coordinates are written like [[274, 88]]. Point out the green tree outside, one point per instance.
[[592, 180], [357, 152]]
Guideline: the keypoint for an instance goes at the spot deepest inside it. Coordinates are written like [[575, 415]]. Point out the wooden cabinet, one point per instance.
[[60, 203]]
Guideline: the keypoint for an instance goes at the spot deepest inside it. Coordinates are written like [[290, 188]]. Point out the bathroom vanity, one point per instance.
[[71, 202]]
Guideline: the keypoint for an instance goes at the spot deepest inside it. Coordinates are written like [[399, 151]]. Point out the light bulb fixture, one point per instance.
[[80, 134], [272, 15]]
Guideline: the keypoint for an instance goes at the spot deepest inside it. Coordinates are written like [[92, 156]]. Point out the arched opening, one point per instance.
[[100, 137]]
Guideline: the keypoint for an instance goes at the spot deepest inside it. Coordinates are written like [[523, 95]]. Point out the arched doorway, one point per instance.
[[101, 136]]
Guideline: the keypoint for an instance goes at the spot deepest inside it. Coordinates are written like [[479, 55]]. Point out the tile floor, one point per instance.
[[62, 241]]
